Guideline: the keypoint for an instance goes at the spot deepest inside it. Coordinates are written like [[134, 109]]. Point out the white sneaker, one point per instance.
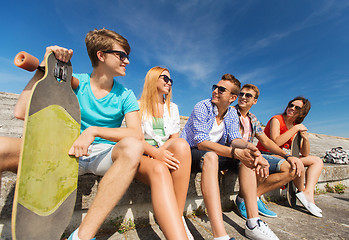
[[316, 207], [308, 205], [260, 232], [314, 210], [189, 235]]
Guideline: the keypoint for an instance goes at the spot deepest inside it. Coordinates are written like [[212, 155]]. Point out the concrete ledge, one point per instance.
[[136, 203]]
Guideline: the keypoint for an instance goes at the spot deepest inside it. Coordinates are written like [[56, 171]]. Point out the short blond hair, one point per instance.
[[233, 80], [253, 87], [103, 40]]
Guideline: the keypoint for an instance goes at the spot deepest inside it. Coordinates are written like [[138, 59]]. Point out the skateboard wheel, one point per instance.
[[26, 61]]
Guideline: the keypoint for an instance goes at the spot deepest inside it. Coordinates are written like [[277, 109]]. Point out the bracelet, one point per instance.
[[287, 156], [232, 152]]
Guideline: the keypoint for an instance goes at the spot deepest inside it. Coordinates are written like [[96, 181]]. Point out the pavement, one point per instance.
[[291, 223]]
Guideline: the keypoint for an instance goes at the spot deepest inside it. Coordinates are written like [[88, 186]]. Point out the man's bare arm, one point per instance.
[[61, 54], [133, 129]]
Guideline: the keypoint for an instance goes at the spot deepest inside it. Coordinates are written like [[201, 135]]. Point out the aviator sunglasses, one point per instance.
[[221, 89], [247, 95], [121, 54], [291, 105], [167, 79]]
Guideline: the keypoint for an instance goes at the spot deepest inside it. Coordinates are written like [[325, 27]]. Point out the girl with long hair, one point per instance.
[[166, 163], [281, 129]]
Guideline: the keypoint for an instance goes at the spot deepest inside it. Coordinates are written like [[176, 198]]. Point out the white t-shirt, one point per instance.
[[216, 132]]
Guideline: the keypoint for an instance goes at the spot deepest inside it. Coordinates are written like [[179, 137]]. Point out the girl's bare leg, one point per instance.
[[311, 176], [180, 177], [156, 174]]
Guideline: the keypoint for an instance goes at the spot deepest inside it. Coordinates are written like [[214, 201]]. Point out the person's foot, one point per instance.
[[241, 207], [311, 207], [316, 207], [263, 210], [74, 235], [260, 232]]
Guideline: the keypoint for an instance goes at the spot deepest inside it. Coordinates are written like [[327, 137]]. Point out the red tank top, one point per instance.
[[283, 129]]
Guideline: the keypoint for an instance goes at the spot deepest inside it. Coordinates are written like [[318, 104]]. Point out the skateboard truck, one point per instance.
[[60, 71]]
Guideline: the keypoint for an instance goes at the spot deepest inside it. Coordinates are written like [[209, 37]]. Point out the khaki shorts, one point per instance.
[[99, 160]]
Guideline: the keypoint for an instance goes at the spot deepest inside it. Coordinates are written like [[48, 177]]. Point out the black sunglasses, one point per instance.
[[121, 54], [167, 79], [291, 105], [248, 95], [221, 89]]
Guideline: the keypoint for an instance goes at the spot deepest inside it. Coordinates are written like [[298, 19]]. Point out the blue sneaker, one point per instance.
[[71, 236], [242, 208], [263, 210]]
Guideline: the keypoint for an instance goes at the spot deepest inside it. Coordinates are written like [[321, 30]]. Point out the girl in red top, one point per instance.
[[281, 129]]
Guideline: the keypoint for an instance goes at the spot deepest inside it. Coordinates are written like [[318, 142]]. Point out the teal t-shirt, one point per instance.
[[108, 111]]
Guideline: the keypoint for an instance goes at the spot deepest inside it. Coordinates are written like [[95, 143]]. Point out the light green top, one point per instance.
[[158, 127]]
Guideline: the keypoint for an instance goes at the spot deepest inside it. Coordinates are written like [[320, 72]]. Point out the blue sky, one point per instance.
[[286, 48]]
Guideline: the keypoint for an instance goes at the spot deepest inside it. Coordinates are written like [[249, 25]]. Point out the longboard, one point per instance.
[[291, 188], [47, 176]]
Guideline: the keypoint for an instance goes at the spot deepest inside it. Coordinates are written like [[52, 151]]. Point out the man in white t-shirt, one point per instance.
[[212, 132]]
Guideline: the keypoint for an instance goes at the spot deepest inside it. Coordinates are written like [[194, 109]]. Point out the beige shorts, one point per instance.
[[99, 160]]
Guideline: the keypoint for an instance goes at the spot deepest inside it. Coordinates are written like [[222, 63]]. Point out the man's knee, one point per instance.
[[130, 149], [287, 170], [246, 171], [9, 146], [210, 162], [9, 153]]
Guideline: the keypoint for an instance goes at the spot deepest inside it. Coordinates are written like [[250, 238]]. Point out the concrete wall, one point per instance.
[[9, 125]]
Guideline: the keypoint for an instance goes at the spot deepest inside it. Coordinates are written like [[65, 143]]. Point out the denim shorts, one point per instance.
[[274, 162], [224, 163], [99, 160]]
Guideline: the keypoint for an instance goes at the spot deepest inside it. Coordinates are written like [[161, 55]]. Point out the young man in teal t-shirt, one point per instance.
[[103, 147]]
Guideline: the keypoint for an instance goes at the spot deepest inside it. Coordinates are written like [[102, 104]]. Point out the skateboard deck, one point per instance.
[[291, 189], [47, 176]]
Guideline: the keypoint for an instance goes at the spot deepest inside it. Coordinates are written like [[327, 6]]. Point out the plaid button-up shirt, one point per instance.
[[256, 125], [200, 122]]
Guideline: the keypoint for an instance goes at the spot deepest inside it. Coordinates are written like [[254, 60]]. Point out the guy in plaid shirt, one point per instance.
[[282, 169], [212, 131]]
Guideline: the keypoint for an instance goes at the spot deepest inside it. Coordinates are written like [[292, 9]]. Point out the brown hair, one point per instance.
[[253, 87], [303, 112], [147, 102], [234, 80], [102, 40]]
